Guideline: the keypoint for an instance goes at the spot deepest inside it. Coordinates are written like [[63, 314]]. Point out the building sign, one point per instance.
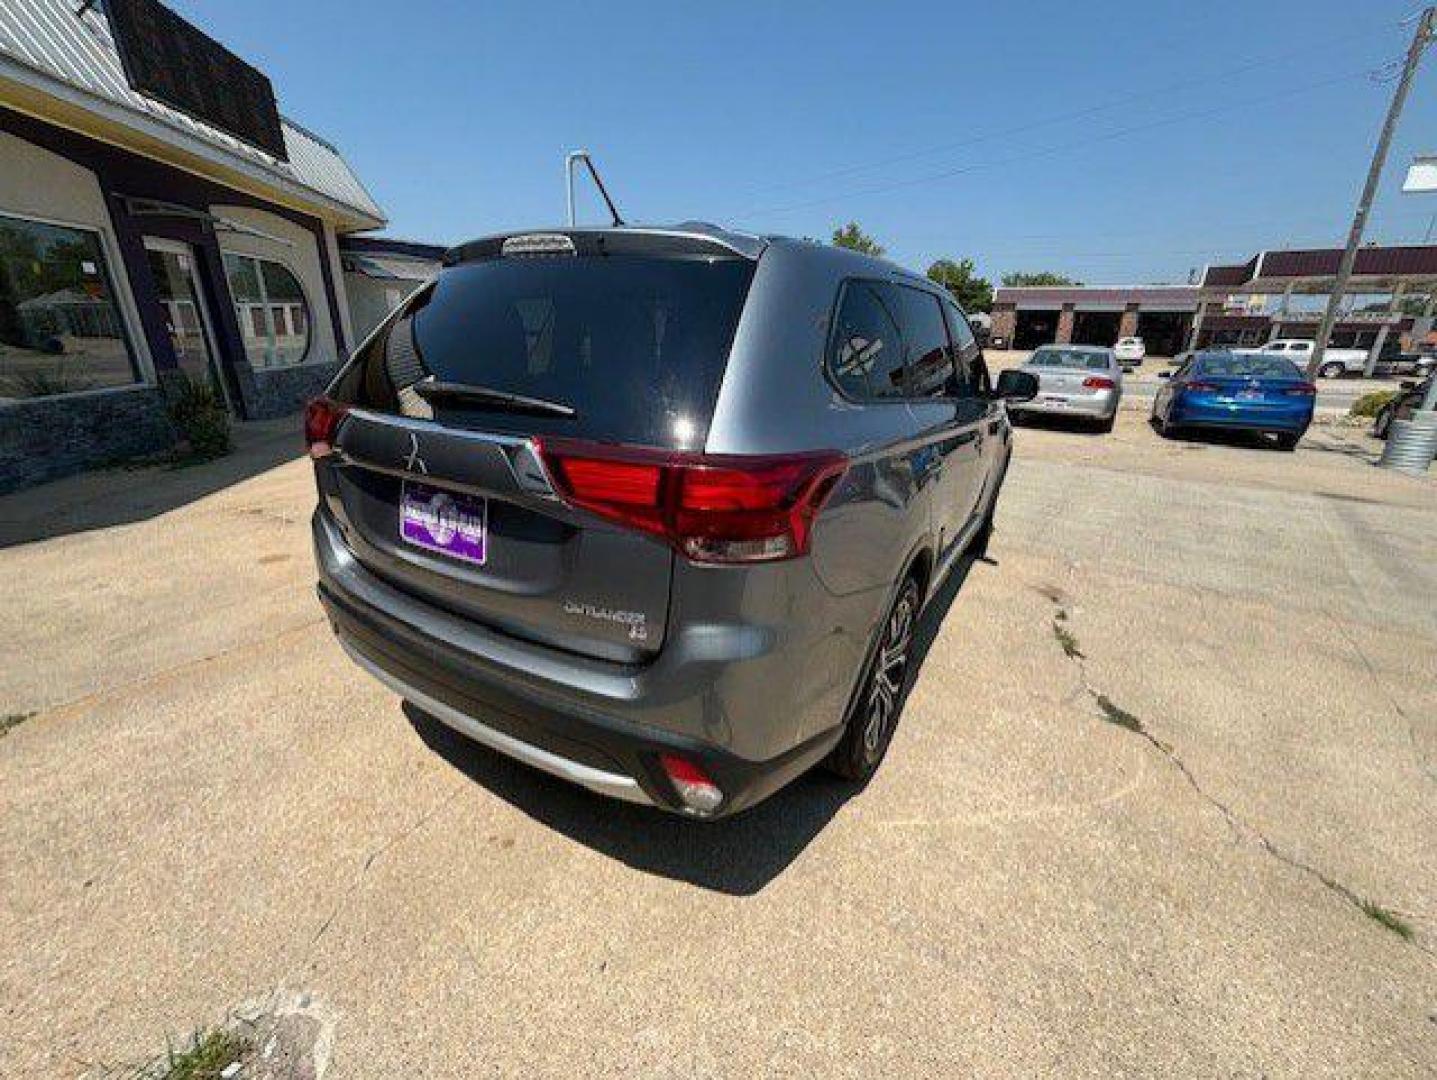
[[1421, 174], [166, 58]]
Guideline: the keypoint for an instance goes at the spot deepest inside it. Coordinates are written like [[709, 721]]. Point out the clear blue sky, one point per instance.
[[1116, 142]]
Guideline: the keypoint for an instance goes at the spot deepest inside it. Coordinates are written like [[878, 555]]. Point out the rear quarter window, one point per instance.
[[866, 355]]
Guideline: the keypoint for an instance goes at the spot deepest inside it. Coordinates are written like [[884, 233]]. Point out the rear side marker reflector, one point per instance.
[[695, 790], [712, 508], [321, 423]]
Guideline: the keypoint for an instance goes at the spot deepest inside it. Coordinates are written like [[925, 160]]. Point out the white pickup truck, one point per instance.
[[1335, 362]]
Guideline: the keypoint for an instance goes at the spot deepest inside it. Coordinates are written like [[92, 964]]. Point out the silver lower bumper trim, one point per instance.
[[614, 785]]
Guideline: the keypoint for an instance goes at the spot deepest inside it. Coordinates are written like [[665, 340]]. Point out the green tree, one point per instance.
[[1042, 277], [854, 238], [972, 292]]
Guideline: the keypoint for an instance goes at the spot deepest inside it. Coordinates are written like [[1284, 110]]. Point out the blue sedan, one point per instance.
[[1265, 395]]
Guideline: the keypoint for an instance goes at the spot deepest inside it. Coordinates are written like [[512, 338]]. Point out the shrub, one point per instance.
[[1368, 404], [200, 415]]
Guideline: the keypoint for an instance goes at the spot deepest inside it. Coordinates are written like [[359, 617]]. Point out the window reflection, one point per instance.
[[60, 331], [272, 312]]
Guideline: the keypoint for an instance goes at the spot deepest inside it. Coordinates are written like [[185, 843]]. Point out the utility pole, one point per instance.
[[1421, 38]]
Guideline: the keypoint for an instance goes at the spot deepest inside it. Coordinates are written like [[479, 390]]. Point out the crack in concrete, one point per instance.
[[1241, 828], [1392, 701], [373, 856], [120, 689]]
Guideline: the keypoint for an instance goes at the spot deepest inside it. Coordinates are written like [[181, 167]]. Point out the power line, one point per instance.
[[1176, 118], [1151, 93]]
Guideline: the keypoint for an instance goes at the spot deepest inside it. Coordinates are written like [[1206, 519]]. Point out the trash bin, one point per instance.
[[1411, 444]]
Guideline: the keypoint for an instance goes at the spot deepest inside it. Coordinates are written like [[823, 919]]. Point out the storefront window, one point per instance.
[[60, 331], [271, 309]]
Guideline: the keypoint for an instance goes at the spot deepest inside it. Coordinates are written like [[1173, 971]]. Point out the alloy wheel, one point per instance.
[[889, 672]]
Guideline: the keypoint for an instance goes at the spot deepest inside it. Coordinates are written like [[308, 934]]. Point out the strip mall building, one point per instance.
[[1274, 294], [138, 240]]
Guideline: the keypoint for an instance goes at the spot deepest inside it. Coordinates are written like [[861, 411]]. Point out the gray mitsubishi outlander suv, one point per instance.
[[656, 509]]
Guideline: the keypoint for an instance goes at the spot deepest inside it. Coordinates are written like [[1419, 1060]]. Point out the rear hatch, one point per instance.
[[438, 487]]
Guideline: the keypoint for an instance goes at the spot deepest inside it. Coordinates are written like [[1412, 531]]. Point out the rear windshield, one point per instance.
[[1081, 359], [1246, 366], [636, 345]]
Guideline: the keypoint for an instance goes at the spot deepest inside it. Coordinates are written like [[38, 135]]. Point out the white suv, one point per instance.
[[1130, 351]]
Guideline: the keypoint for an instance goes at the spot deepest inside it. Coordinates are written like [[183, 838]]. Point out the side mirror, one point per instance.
[[1014, 385]]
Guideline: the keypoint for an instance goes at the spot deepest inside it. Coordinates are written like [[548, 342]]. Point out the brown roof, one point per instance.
[[1414, 260], [1057, 295], [1229, 275]]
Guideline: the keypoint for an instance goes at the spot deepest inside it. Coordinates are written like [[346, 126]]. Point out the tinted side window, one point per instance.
[[867, 358], [930, 360], [965, 345]]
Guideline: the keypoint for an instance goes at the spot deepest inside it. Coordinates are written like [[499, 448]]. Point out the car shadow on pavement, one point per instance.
[[737, 856], [1080, 425], [1215, 436], [122, 495]]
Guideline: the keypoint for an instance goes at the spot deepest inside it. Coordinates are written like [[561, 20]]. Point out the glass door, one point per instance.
[[172, 265]]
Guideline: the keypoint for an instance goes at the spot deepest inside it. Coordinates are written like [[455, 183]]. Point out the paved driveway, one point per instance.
[[1151, 856]]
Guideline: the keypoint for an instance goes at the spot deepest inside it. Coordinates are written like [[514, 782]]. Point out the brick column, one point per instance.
[[1128, 324], [1005, 323], [1065, 325]]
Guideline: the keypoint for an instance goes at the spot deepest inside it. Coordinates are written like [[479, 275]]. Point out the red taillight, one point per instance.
[[713, 508], [1301, 390], [698, 793], [321, 421], [1098, 382], [1198, 386]]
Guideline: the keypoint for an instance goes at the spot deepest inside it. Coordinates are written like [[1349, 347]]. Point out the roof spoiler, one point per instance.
[[686, 239]]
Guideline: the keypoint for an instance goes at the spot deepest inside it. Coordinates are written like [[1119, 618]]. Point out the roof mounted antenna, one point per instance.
[[583, 155]]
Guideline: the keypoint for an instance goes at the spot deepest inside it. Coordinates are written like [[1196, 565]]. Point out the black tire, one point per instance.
[[1106, 425], [1332, 371], [874, 713], [1288, 440], [1383, 424]]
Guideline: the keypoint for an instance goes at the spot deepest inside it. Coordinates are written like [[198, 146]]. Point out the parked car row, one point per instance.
[[1234, 391]]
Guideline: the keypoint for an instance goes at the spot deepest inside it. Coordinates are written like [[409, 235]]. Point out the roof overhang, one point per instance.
[[41, 95]]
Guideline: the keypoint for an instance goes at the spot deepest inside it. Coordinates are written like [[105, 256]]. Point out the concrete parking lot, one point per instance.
[[1163, 802]]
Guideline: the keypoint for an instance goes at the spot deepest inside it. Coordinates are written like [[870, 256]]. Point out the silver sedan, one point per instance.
[[1084, 381]]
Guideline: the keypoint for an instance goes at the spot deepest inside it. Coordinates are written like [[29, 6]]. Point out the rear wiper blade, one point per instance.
[[430, 389]]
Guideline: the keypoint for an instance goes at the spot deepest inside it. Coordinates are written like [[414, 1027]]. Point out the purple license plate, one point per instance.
[[444, 521]]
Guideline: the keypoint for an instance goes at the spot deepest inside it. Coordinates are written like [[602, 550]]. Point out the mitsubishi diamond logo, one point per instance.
[[414, 463]]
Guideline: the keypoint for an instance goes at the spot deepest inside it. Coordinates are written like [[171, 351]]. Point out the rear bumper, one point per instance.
[[575, 720], [1097, 406], [1246, 418]]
